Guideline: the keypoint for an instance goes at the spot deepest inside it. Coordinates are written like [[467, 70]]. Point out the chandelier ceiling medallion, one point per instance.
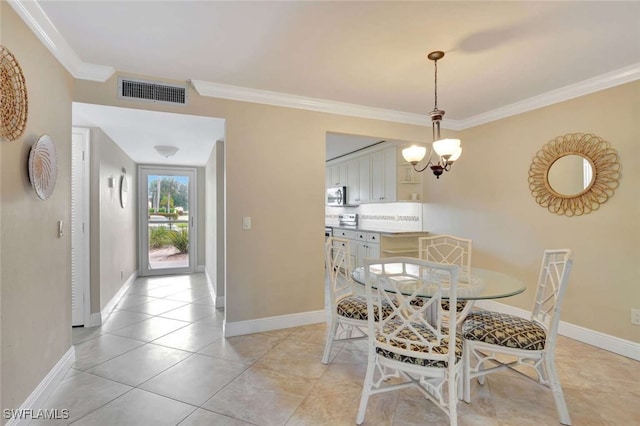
[[447, 150]]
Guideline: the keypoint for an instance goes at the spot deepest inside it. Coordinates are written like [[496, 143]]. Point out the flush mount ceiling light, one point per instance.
[[166, 150], [448, 150]]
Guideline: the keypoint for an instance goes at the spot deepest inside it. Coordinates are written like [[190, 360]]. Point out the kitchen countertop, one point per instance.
[[392, 232]]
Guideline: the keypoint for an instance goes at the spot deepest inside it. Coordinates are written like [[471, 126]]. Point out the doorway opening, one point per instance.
[[167, 205]]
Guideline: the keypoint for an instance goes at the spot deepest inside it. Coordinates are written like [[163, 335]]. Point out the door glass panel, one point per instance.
[[168, 222]]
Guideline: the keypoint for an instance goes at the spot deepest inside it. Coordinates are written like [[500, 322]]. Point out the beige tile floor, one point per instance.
[[160, 359]]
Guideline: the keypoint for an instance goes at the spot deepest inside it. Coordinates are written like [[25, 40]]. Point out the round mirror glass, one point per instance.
[[570, 175]]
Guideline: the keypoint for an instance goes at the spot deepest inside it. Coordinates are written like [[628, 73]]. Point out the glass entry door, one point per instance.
[[167, 220]]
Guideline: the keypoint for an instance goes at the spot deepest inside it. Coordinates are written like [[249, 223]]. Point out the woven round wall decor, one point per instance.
[[13, 97], [43, 167]]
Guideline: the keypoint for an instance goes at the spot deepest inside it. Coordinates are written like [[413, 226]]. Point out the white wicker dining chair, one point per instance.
[[348, 316], [450, 250], [411, 343], [530, 342]]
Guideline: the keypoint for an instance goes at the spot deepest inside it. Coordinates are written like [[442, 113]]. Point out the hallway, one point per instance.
[[160, 359]]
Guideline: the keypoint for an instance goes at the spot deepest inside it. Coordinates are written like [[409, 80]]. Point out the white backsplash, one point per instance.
[[383, 217]]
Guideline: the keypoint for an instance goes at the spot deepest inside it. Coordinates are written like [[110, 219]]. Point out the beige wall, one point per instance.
[[276, 268], [35, 263], [114, 230], [486, 197]]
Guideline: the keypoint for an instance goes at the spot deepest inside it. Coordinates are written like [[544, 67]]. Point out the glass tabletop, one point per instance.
[[483, 284]]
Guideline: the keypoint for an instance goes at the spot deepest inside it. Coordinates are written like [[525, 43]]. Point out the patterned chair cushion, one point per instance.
[[460, 305], [504, 330], [355, 307], [445, 304], [407, 334]]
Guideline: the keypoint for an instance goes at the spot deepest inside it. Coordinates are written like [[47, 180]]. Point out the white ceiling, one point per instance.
[[137, 131], [371, 54]]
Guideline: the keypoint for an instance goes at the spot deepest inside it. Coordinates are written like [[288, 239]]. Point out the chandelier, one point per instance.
[[447, 150]]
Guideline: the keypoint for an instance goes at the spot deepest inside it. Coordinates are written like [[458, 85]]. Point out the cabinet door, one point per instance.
[[361, 252], [373, 250], [353, 181], [383, 175], [364, 178], [339, 174], [366, 250]]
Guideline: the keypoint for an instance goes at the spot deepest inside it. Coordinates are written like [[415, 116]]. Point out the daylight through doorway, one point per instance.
[[168, 231]]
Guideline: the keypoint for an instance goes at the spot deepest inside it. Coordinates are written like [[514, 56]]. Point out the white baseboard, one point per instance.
[[239, 328], [218, 301], [200, 268], [42, 392], [595, 338], [98, 318]]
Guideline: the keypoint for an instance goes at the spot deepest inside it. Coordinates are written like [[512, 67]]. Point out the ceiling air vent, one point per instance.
[[152, 91]]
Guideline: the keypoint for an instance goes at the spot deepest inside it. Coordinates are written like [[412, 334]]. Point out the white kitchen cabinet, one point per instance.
[[336, 175], [351, 236], [367, 246], [358, 182], [364, 250], [383, 175]]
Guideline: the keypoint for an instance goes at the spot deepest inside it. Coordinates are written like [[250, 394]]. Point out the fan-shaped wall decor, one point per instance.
[[13, 97], [43, 167], [597, 180]]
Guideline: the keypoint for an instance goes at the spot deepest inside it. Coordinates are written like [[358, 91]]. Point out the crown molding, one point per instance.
[[35, 18], [585, 87], [33, 15], [237, 93]]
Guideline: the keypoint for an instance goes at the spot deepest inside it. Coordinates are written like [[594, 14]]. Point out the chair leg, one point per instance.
[[556, 389], [466, 371], [452, 384], [331, 334], [366, 389]]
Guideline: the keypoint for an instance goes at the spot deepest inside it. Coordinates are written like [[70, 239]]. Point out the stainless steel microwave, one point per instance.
[[337, 196]]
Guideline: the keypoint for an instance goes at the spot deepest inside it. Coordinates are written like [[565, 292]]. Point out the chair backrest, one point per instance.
[[400, 282], [552, 283], [449, 250], [339, 268]]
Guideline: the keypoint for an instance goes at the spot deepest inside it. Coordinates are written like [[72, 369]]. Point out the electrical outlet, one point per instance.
[[635, 316]]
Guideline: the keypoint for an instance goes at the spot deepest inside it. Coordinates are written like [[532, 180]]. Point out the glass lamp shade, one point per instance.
[[456, 154], [444, 147], [414, 154]]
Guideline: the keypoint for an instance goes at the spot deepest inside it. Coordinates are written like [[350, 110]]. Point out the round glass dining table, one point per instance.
[[483, 284]]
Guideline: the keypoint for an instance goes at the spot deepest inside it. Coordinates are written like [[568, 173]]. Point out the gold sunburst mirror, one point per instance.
[[573, 174]]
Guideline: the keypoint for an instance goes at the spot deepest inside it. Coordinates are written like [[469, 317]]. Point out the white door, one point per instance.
[[80, 226], [167, 205]]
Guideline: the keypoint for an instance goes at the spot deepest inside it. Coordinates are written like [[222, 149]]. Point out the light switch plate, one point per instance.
[[246, 222]]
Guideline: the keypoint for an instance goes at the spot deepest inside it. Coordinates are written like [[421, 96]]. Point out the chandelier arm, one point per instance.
[[422, 169], [429, 163]]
